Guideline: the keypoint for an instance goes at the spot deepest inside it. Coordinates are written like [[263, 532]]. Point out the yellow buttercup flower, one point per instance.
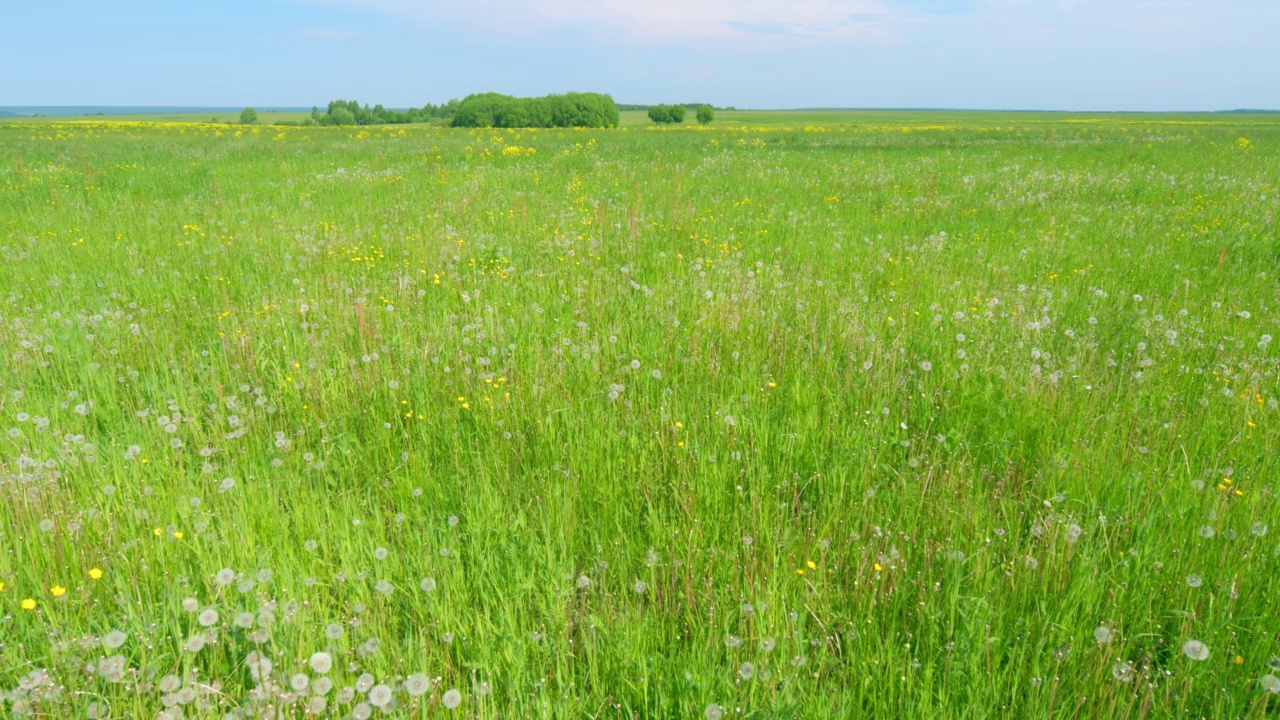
[[57, 591], [95, 573], [28, 604]]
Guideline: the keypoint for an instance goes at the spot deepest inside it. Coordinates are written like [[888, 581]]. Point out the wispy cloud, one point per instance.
[[649, 21], [928, 26], [324, 34]]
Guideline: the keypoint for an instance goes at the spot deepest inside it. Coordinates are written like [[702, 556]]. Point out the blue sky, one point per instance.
[[1023, 54]]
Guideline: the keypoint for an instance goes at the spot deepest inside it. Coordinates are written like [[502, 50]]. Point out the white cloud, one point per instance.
[[764, 24], [651, 21]]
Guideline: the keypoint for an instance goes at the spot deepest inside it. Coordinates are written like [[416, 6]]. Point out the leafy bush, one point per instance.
[[706, 114], [248, 116], [667, 114], [569, 110], [342, 116]]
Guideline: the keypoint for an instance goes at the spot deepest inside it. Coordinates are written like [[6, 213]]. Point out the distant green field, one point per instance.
[[799, 415]]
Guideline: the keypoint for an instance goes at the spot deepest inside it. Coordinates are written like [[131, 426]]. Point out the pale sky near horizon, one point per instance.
[[994, 54]]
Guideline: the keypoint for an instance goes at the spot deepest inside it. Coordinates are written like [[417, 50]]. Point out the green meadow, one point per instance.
[[797, 415]]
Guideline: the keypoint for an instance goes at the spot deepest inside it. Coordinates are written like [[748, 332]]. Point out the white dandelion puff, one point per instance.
[[1195, 650], [417, 684], [321, 663], [452, 699]]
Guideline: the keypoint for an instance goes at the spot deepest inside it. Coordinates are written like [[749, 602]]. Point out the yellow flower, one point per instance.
[[57, 591], [878, 567], [95, 573], [28, 604], [156, 532], [177, 534], [1239, 660], [811, 565]]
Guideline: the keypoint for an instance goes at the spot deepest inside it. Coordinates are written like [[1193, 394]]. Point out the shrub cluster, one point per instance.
[[350, 112], [666, 114], [592, 110]]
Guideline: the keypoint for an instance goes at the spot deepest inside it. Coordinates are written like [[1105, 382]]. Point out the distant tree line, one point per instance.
[[350, 112], [668, 114], [591, 110], [687, 106]]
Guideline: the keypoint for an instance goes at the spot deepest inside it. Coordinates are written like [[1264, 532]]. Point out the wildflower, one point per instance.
[[417, 684], [746, 671], [380, 696], [28, 604], [1195, 650], [714, 712], [57, 591], [94, 574], [452, 699], [1103, 634], [639, 587], [1073, 533], [1270, 683], [114, 639], [225, 576], [208, 618], [321, 662], [1193, 580], [1122, 671]]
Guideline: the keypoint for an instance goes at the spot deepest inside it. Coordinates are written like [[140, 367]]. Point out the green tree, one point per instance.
[[568, 110], [248, 116], [706, 114], [342, 116], [667, 114]]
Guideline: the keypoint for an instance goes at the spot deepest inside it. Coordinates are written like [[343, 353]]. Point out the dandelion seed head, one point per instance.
[[1195, 650], [321, 663], [451, 699]]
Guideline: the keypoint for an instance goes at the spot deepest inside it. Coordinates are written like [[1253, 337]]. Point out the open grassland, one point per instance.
[[848, 415]]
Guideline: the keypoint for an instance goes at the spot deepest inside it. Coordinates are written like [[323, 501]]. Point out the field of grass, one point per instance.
[[802, 415]]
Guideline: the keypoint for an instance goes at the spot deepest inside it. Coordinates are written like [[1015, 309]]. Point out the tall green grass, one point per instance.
[[824, 415]]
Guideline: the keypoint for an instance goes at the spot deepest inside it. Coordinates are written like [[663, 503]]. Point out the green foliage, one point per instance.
[[336, 113], [342, 116], [248, 116], [667, 114], [586, 110], [706, 114]]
